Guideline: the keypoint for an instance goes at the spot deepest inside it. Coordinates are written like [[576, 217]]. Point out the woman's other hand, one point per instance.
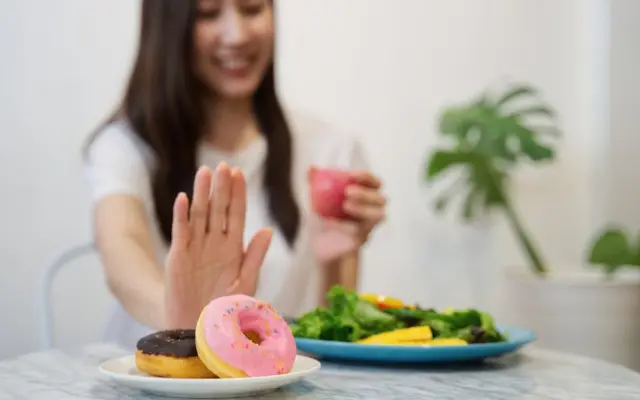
[[206, 258], [365, 206]]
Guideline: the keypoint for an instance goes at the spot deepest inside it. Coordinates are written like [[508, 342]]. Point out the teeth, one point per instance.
[[235, 63]]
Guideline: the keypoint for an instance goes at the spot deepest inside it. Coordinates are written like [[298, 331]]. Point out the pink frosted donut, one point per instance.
[[239, 336]]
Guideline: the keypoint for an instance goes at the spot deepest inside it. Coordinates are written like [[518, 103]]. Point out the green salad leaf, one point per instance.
[[348, 318]]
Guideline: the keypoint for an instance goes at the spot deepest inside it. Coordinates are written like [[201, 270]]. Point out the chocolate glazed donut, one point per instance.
[[175, 343], [171, 354]]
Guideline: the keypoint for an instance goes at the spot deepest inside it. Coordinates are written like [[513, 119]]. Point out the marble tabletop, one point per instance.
[[527, 375]]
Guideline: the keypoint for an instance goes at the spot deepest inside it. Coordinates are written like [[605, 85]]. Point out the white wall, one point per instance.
[[378, 68], [385, 70], [624, 124], [62, 69]]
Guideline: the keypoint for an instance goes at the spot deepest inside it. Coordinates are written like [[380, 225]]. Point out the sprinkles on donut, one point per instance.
[[239, 336], [236, 336]]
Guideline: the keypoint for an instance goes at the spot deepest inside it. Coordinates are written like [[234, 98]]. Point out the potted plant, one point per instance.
[[591, 311]]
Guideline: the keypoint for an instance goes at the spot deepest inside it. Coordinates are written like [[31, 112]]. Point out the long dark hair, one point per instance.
[[163, 104]]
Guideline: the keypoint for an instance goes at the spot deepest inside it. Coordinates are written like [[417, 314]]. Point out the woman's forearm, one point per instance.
[[135, 280], [128, 258], [349, 268], [344, 272]]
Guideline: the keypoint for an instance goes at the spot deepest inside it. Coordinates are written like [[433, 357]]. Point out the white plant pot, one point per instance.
[[580, 312]]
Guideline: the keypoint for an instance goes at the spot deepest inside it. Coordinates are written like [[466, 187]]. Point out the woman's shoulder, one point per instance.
[[118, 162], [117, 143], [324, 143]]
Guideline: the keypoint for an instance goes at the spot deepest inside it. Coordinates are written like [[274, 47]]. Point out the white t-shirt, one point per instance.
[[120, 163]]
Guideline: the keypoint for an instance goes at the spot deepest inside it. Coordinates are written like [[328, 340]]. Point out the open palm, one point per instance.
[[207, 257]]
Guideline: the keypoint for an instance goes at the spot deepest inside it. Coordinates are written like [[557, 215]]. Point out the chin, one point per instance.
[[237, 91]]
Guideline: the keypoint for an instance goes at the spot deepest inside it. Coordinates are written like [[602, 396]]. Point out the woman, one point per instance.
[[202, 92]]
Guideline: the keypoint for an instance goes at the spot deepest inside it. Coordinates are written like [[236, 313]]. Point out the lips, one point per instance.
[[235, 65]]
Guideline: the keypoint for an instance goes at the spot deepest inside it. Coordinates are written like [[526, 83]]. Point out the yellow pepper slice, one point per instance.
[[432, 342], [400, 336], [382, 302]]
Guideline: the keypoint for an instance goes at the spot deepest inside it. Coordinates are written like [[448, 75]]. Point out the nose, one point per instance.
[[233, 30]]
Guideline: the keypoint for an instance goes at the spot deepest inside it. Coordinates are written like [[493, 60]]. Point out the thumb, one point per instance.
[[311, 172], [254, 256]]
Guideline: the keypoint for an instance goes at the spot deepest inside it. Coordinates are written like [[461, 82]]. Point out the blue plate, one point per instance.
[[517, 337]]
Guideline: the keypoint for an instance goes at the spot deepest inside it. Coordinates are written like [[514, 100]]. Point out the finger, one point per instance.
[[366, 178], [180, 225], [365, 212], [311, 173], [238, 205], [200, 203], [220, 200], [235, 288], [254, 256], [364, 195], [253, 260]]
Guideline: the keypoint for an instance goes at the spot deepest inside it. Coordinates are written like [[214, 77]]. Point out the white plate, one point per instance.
[[124, 372]]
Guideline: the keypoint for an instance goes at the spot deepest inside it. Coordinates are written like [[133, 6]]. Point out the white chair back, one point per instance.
[[45, 310]]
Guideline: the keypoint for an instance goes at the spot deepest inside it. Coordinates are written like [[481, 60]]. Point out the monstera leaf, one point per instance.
[[613, 250], [490, 136]]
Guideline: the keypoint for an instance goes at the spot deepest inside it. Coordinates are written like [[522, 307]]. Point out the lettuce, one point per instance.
[[348, 318]]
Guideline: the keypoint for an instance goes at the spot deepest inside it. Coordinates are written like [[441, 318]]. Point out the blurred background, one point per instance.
[[380, 69]]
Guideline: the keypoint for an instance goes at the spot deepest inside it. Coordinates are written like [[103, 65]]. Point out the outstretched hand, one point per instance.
[[207, 258]]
